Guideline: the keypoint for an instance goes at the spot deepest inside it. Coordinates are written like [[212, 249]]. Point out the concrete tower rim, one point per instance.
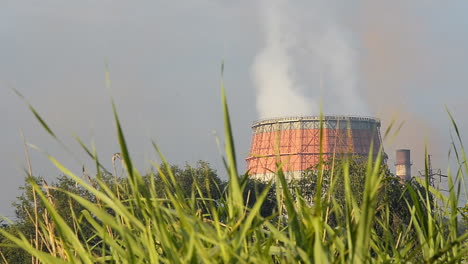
[[325, 118]]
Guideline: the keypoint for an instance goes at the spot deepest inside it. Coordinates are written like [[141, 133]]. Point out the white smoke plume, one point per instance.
[[308, 58]]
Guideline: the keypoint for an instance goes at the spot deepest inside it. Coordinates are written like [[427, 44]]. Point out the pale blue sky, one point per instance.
[[165, 58]]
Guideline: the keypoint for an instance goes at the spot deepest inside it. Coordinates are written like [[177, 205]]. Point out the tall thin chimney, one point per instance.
[[403, 164]]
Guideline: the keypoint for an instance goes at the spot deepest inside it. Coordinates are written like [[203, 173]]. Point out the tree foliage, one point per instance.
[[200, 181], [393, 195]]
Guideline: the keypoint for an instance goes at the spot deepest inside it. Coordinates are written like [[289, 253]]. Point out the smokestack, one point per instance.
[[403, 164]]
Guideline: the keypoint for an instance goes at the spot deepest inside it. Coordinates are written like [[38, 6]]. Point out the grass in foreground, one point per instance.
[[139, 221]]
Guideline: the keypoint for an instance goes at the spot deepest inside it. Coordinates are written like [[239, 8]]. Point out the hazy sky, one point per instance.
[[410, 59]]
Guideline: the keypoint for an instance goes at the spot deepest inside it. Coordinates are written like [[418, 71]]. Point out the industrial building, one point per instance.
[[299, 142], [403, 164]]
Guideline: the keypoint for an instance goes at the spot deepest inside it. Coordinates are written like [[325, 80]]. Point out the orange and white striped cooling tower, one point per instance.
[[295, 142]]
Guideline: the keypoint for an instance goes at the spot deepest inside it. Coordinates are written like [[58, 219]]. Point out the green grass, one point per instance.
[[131, 223]]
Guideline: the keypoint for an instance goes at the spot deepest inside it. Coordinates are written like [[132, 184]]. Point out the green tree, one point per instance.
[[393, 195], [200, 180], [29, 210], [464, 214], [253, 188]]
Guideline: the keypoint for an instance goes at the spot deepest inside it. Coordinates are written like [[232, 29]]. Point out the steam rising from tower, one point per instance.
[[302, 46]]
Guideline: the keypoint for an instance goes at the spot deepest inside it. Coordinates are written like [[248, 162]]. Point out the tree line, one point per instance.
[[203, 183]]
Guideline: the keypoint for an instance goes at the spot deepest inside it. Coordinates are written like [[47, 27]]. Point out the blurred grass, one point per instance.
[[133, 224]]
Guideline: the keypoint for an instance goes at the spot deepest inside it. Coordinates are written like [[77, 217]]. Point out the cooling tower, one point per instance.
[[295, 142]]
